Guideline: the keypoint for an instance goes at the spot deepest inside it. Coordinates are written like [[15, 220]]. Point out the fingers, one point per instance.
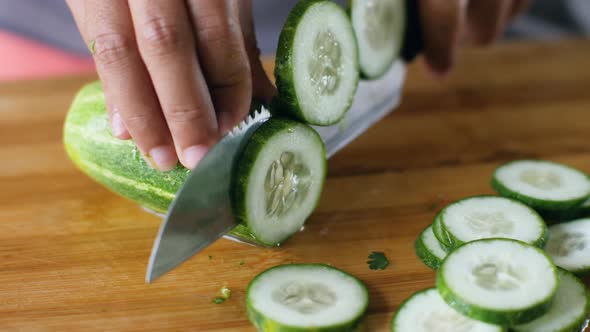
[[486, 20], [167, 46], [132, 103], [263, 89], [223, 57], [442, 22]]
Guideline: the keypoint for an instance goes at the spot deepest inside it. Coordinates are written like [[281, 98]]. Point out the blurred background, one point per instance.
[[39, 39]]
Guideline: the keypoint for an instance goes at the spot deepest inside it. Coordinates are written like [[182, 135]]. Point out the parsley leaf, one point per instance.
[[377, 261], [218, 300]]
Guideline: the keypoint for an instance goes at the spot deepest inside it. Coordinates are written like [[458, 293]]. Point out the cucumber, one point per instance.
[[441, 235], [429, 250], [278, 180], [498, 281], [483, 217], [569, 245], [379, 26], [426, 311], [568, 312], [316, 66], [119, 166], [543, 185], [306, 297]]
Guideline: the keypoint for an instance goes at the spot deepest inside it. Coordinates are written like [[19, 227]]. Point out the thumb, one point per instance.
[[262, 88]]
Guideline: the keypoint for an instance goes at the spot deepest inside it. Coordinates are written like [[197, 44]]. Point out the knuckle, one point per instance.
[[140, 122], [179, 113], [214, 30], [233, 75], [112, 48], [220, 42], [162, 37]]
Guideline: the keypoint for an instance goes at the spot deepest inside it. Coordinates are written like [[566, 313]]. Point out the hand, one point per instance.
[[446, 23], [177, 74]]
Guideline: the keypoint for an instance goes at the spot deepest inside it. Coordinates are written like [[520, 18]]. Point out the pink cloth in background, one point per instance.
[[21, 58]]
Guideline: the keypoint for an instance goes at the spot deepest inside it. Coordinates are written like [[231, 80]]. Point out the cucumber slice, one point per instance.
[[569, 310], [498, 281], [542, 185], [279, 179], [306, 297], [317, 63], [426, 311], [429, 250], [379, 26], [569, 245], [441, 235], [482, 217]]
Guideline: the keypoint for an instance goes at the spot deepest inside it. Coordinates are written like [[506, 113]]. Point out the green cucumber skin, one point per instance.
[[578, 324], [535, 203], [425, 255], [249, 155], [439, 234], [504, 317], [108, 160], [455, 243], [264, 324], [287, 104]]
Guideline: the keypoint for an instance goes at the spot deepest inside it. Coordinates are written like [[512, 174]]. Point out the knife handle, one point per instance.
[[413, 40]]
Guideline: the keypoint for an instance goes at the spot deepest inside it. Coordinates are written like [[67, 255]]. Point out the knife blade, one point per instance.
[[201, 212]]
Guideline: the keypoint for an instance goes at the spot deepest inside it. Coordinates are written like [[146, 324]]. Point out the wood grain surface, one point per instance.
[[73, 255]]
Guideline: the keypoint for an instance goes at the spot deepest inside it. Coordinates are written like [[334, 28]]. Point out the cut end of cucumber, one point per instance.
[[541, 184], [306, 296], [317, 63], [569, 245], [279, 178], [568, 311], [498, 281], [429, 250], [379, 26], [426, 311], [484, 217]]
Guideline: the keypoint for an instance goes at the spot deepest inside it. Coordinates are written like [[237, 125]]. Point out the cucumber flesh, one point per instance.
[[429, 250], [379, 26], [498, 281], [542, 185], [484, 217], [278, 180], [306, 297], [568, 312], [317, 63], [569, 245], [426, 311]]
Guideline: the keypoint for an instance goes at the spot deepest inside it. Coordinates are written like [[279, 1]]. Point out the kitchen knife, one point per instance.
[[201, 212]]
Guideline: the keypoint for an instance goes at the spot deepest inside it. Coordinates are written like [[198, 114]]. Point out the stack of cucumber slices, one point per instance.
[[498, 263]]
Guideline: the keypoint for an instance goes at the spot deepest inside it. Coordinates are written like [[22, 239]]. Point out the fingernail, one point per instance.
[[117, 126], [193, 154], [162, 158]]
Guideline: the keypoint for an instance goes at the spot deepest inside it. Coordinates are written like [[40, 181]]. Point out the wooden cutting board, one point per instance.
[[73, 255]]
